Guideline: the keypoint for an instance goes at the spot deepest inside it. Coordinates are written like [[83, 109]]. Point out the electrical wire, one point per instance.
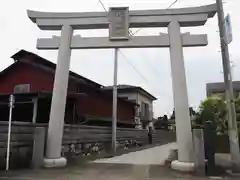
[[133, 66], [152, 68], [130, 31], [171, 5], [100, 1], [126, 58], [139, 73]]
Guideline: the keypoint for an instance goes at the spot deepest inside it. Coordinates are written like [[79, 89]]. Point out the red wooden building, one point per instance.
[[30, 78]]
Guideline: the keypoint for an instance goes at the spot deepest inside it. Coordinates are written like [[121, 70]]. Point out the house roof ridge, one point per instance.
[[128, 86], [42, 61]]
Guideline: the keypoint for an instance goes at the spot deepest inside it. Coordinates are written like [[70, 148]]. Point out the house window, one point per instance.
[[21, 88], [145, 110]]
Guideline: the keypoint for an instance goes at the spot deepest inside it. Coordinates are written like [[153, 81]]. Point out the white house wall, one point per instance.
[[139, 99], [142, 98], [130, 96]]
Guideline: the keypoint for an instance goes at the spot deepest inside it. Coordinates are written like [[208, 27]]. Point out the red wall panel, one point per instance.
[[95, 104], [101, 106], [21, 73]]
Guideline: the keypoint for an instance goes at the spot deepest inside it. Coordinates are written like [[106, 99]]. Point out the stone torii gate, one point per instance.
[[173, 19]]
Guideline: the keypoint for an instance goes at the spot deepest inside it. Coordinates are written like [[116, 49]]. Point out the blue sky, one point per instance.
[[203, 64]]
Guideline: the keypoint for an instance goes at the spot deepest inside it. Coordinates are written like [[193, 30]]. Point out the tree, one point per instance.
[[173, 114], [191, 112], [165, 122], [237, 106], [214, 109], [162, 123]]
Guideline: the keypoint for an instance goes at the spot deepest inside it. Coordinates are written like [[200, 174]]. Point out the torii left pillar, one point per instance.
[[56, 122]]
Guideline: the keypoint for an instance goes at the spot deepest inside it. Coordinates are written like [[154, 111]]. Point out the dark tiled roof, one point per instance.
[[121, 86], [40, 60], [22, 54], [127, 88]]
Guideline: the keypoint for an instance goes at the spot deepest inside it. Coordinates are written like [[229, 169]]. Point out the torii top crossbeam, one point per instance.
[[195, 16]]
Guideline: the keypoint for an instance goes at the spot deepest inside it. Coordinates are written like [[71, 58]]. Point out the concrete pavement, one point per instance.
[[152, 156], [146, 164], [104, 171]]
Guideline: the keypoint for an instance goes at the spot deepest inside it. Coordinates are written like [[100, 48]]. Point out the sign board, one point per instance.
[[228, 26], [118, 23]]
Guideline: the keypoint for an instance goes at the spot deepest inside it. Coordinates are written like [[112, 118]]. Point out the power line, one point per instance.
[[133, 66], [100, 1], [129, 61], [136, 32], [152, 68], [125, 57], [154, 88], [130, 31], [171, 5]]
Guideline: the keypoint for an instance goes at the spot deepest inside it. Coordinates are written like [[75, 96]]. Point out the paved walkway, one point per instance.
[[104, 171], [152, 156], [141, 165]]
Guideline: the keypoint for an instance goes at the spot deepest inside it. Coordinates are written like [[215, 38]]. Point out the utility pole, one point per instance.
[[11, 106], [114, 111], [232, 124]]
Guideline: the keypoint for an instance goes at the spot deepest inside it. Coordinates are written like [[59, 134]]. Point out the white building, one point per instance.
[[136, 94]]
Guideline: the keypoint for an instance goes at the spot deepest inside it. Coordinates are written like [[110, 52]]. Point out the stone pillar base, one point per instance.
[[55, 163], [183, 166]]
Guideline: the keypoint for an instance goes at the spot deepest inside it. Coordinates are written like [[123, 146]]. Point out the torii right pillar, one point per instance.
[[180, 97]]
